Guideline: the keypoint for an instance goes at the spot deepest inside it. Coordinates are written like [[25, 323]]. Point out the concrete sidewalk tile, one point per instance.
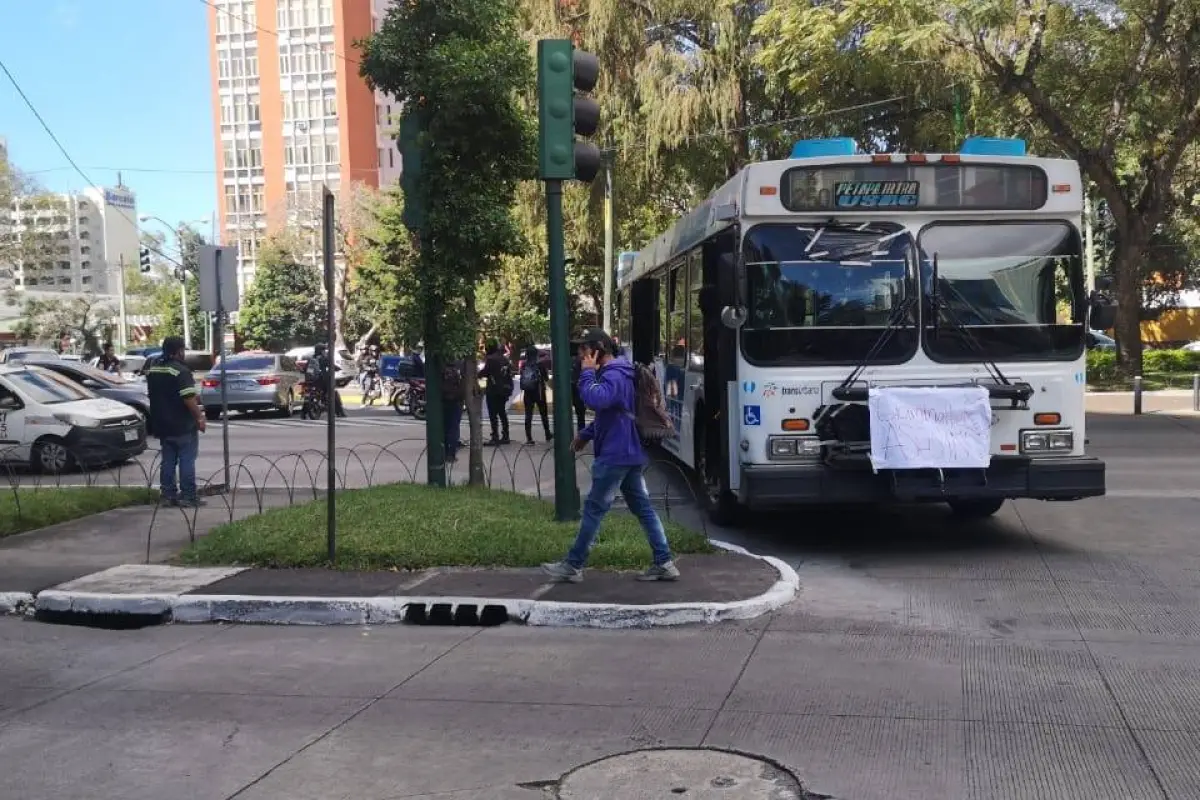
[[1036, 761], [151, 745], [690, 668], [147, 579], [1172, 756], [839, 600], [1114, 525], [1156, 685], [319, 662], [481, 583], [1115, 612], [58, 658], [1036, 682], [893, 676], [1097, 567], [855, 758], [406, 748], [305, 582]]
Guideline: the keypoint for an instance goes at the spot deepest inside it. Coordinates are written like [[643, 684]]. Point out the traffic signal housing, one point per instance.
[[144, 259], [563, 114]]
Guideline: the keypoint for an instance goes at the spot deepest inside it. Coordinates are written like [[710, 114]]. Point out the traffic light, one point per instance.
[[144, 259], [563, 70]]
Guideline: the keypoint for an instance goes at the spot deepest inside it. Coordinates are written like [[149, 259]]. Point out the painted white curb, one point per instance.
[[266, 610], [15, 603]]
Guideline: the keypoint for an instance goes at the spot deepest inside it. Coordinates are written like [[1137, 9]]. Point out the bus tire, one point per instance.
[[975, 509], [725, 510], [720, 505]]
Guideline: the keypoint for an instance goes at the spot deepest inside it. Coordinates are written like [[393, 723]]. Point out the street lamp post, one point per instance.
[[183, 299]]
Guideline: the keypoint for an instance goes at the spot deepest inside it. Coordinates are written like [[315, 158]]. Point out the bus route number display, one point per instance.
[[877, 194]]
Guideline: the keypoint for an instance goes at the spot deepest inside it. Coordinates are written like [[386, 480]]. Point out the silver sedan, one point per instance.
[[257, 382]]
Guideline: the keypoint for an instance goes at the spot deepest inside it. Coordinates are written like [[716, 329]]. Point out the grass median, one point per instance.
[[30, 509], [409, 526]]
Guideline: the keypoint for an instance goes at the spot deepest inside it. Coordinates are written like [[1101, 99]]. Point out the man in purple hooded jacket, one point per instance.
[[606, 386]]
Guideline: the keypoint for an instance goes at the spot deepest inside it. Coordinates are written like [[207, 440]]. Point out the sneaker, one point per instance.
[[193, 502], [562, 572], [168, 500], [661, 572]]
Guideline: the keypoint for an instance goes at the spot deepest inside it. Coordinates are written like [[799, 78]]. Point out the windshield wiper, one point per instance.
[[899, 318], [1012, 391]]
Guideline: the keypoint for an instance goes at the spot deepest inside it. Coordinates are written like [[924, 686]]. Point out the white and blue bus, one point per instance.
[[771, 311]]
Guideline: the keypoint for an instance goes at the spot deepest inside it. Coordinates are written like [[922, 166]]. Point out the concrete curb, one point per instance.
[[264, 610], [16, 603]]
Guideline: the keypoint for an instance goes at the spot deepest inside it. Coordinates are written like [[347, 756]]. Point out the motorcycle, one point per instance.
[[408, 397], [314, 405], [372, 390]]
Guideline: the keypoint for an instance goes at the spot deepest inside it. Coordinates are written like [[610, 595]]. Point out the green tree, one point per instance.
[[383, 287], [1114, 85], [284, 306], [460, 65], [88, 320], [157, 293]]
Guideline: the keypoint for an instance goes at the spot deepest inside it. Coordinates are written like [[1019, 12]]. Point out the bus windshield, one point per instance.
[[1007, 291], [823, 294]]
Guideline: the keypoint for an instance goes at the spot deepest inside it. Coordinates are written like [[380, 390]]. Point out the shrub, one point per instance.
[[1170, 361], [1102, 366]]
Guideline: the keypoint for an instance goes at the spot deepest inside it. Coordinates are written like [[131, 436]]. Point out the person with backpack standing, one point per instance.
[[612, 388], [497, 371], [534, 377]]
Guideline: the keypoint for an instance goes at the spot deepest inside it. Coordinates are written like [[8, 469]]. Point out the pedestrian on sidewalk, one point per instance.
[[452, 405], [606, 385], [576, 398], [534, 377], [177, 419], [497, 371]]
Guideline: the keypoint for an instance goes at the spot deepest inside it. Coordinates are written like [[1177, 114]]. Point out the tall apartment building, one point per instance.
[[73, 243], [292, 115]]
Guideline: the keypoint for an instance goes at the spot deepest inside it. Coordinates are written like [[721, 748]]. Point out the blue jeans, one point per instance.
[[453, 411], [606, 481], [181, 452]]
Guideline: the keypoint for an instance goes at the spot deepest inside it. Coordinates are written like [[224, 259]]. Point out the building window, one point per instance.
[[86, 265], [85, 250], [329, 99], [85, 280]]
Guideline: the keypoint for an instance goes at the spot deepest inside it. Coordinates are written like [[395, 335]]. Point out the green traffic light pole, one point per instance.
[[566, 489]]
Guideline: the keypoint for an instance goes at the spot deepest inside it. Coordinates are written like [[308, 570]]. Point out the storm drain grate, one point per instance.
[[464, 615]]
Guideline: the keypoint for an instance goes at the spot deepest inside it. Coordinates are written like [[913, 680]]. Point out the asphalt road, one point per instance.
[[1052, 652]]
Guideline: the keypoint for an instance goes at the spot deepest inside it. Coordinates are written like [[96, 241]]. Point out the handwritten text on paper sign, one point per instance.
[[930, 427]]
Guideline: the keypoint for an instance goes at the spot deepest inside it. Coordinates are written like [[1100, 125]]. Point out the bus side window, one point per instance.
[[664, 316], [677, 296], [695, 335]]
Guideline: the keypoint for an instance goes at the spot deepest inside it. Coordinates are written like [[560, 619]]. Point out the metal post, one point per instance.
[[566, 491], [1089, 235], [609, 239], [1137, 394], [187, 332], [122, 338], [224, 383], [331, 388], [1196, 393]]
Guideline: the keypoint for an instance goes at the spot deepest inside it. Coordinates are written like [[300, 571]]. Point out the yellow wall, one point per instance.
[[1175, 325]]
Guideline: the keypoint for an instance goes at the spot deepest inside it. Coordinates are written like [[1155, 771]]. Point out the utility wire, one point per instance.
[[57, 143]]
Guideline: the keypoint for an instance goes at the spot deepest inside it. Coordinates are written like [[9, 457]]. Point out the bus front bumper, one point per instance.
[[1068, 478]]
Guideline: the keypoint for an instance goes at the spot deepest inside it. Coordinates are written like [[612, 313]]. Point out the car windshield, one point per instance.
[[825, 293], [250, 363], [1016, 288], [42, 386], [33, 355]]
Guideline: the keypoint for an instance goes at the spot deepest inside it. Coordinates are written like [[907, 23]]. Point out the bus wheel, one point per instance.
[[976, 509]]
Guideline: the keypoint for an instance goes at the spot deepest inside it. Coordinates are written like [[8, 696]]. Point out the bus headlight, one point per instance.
[[792, 448], [1048, 441]]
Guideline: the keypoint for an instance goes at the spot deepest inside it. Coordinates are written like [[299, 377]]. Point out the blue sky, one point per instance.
[[123, 84]]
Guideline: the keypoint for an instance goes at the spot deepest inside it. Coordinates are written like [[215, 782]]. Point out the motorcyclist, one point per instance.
[[370, 368], [316, 375]]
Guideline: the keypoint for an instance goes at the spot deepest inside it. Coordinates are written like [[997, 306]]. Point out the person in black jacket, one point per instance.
[[534, 377], [576, 398], [497, 371]]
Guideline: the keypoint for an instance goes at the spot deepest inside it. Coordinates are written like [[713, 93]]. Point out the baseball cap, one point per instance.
[[596, 336]]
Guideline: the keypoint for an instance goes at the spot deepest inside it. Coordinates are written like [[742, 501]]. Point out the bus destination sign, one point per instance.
[[877, 194]]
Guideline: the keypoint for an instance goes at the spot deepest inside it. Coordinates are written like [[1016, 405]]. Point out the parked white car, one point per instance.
[[54, 424]]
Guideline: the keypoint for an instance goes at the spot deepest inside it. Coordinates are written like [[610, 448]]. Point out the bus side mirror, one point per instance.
[[1102, 311], [734, 317]]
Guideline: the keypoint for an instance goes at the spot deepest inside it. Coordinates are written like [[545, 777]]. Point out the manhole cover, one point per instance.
[[686, 774]]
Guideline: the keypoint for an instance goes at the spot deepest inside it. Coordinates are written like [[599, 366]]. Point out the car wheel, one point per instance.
[[212, 414], [289, 405], [51, 456]]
